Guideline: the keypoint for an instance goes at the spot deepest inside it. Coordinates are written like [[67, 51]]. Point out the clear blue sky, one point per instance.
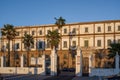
[[39, 12]]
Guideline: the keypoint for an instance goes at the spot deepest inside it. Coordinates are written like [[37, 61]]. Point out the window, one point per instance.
[[7, 45], [25, 32], [118, 28], [17, 33], [109, 28], [74, 30], [99, 29], [48, 31], [108, 42], [86, 43], [40, 32], [40, 45], [32, 46], [118, 40], [17, 46], [65, 31], [48, 44], [74, 43], [86, 29], [33, 32], [25, 46], [65, 44], [57, 30], [99, 43]]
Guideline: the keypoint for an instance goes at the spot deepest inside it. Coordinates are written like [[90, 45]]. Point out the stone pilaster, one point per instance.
[[90, 62], [79, 62], [22, 61], [43, 64], [2, 61], [53, 62], [117, 61]]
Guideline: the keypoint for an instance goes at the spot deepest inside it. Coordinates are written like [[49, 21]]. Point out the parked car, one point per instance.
[[65, 69], [72, 69]]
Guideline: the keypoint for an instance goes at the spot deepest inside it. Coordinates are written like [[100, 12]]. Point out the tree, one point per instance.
[[99, 55], [53, 38], [28, 42], [9, 32], [114, 49], [60, 22]]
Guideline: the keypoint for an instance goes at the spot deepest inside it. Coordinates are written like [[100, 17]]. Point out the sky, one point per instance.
[[41, 12]]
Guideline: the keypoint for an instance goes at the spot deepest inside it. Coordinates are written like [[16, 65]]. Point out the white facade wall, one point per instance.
[[21, 70]]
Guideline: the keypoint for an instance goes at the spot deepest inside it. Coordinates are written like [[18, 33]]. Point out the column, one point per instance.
[[90, 63], [43, 64], [22, 61], [117, 61], [53, 62], [2, 61], [79, 62]]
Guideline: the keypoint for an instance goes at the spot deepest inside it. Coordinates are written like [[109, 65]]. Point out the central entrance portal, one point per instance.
[[85, 68]]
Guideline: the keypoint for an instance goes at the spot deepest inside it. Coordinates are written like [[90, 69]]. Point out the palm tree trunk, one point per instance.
[[8, 53], [28, 57]]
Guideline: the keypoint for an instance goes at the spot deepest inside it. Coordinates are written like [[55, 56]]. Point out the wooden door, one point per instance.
[[85, 68]]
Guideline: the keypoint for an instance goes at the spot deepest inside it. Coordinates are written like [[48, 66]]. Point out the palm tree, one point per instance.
[[99, 55], [53, 38], [10, 33], [28, 42], [60, 22], [114, 49]]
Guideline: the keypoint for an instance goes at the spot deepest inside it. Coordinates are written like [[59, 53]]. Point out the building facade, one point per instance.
[[89, 36]]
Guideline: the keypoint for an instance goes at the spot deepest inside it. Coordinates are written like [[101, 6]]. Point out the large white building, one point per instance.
[[87, 35]]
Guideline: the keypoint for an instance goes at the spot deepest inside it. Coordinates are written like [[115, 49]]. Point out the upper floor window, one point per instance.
[[99, 43], [86, 43], [65, 44], [40, 32], [86, 29], [99, 29], [40, 45], [119, 28], [109, 28], [57, 30], [33, 32], [32, 46], [17, 33], [25, 32], [7, 45], [65, 31], [48, 31], [74, 30], [48, 44], [74, 43], [17, 46], [108, 42]]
